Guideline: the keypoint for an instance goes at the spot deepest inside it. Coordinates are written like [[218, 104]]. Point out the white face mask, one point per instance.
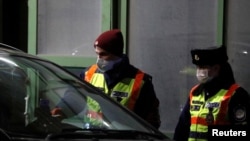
[[202, 75], [105, 65]]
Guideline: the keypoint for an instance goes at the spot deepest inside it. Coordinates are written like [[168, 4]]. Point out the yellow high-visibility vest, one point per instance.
[[126, 92], [213, 111], [128, 88]]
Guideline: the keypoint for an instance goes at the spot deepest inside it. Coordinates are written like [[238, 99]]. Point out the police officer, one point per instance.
[[115, 76], [217, 101]]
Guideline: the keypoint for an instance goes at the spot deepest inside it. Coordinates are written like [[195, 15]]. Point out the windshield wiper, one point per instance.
[[106, 134]]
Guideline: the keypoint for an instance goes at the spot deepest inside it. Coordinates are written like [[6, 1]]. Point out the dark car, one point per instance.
[[41, 100]]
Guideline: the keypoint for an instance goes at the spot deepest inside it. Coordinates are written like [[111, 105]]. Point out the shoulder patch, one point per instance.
[[239, 113]]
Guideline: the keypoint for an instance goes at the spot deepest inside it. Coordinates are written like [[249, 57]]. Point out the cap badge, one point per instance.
[[196, 57], [96, 43]]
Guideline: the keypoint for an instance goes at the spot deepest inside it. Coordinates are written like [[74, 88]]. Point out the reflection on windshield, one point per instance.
[[39, 97]]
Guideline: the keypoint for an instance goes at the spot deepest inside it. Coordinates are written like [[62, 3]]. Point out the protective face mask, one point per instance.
[[104, 65], [202, 75]]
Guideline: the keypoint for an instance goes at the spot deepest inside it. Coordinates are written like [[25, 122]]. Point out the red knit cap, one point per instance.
[[111, 41]]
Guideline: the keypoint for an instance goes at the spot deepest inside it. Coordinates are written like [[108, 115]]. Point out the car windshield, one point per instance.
[[39, 97]]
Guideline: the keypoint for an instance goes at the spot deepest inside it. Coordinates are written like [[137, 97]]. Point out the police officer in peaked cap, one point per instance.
[[217, 101]]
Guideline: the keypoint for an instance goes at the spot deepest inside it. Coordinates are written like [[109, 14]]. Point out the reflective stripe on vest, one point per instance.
[[199, 109], [136, 87], [90, 72]]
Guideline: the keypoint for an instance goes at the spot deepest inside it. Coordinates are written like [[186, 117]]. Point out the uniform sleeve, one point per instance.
[[147, 105], [183, 125], [239, 108]]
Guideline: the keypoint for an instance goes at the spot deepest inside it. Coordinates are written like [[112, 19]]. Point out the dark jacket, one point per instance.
[[239, 100], [147, 105]]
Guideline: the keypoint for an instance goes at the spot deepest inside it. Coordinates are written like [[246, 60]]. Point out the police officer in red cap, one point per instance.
[[116, 77], [216, 102]]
